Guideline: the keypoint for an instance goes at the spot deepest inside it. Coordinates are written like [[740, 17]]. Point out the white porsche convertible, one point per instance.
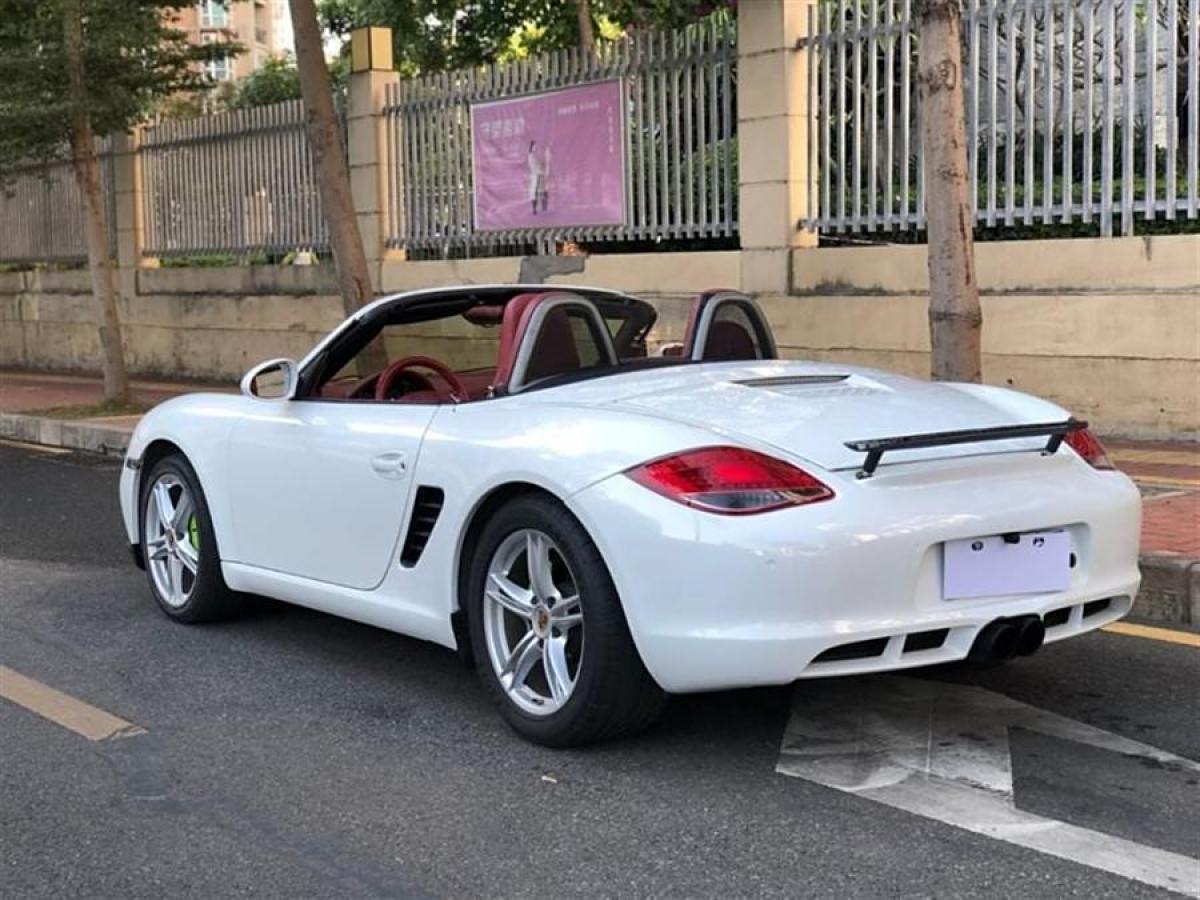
[[597, 528]]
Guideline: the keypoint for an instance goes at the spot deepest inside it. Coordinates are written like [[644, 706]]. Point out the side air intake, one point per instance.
[[427, 505]]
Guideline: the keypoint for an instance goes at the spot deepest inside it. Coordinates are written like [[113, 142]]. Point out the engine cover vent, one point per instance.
[[791, 380]]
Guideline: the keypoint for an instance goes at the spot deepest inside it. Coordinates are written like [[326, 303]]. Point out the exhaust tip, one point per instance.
[[996, 642], [1031, 632], [1003, 639]]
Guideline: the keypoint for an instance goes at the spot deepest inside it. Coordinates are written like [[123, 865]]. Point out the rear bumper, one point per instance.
[[719, 602]]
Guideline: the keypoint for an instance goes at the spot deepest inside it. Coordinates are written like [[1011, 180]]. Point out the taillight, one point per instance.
[[1089, 447], [730, 480]]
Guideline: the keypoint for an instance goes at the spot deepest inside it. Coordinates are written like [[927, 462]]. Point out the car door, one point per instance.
[[725, 326], [320, 488]]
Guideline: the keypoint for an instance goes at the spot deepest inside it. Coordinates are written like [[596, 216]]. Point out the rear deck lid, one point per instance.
[[813, 409]]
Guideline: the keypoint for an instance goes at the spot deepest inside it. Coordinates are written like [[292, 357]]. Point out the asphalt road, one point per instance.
[[293, 754]]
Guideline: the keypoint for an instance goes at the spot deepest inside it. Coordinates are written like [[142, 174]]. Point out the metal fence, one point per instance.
[[681, 142], [41, 209], [237, 182], [1078, 111]]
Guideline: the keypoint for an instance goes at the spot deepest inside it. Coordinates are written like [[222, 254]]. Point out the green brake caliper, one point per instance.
[[193, 529]]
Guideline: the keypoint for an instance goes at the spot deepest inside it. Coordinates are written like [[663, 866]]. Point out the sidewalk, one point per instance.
[[32, 391], [1168, 474], [66, 410]]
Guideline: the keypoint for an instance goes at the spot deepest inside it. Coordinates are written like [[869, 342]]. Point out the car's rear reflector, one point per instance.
[[1089, 447], [730, 481]]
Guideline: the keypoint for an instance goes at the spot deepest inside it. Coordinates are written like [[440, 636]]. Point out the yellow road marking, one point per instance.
[[1170, 635], [40, 448], [63, 709], [1165, 495], [1168, 482], [1162, 457]]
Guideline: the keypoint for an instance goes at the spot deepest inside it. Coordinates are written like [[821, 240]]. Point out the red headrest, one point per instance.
[[516, 317]]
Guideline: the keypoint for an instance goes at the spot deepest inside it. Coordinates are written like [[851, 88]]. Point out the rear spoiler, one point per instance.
[[876, 447]]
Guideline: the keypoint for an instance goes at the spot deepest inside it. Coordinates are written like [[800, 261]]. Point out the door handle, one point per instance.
[[390, 465]]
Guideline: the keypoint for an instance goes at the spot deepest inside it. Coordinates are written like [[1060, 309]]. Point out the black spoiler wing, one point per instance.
[[876, 447]]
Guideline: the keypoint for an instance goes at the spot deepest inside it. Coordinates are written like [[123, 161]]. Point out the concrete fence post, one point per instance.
[[127, 206], [773, 170], [370, 75]]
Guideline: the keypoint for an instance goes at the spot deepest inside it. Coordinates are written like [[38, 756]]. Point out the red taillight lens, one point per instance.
[[1089, 447], [730, 480]]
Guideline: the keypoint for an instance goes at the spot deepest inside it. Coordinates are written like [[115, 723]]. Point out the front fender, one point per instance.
[[199, 425]]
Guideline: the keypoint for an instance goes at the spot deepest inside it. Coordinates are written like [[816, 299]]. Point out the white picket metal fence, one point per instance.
[[1082, 115], [233, 183], [1078, 111], [41, 209], [681, 142]]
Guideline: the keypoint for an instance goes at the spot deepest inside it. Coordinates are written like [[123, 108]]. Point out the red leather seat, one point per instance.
[[477, 382], [555, 351], [517, 313], [729, 341], [726, 340]]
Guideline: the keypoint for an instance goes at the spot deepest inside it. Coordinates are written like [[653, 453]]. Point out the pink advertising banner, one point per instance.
[[550, 159]]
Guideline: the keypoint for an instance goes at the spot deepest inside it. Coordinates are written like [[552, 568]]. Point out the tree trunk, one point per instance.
[[333, 175], [587, 31], [95, 214], [955, 320]]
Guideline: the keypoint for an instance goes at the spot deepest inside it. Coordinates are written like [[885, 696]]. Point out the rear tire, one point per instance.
[[550, 639], [179, 546]]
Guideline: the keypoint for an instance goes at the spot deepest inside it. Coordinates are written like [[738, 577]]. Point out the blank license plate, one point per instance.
[[1038, 562]]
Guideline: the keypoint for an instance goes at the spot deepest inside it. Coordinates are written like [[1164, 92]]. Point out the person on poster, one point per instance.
[[539, 178]]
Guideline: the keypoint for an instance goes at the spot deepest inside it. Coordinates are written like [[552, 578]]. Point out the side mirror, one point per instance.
[[275, 379]]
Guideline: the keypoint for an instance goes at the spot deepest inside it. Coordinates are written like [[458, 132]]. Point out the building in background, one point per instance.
[[262, 27]]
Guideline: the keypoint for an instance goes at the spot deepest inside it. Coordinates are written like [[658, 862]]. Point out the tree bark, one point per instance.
[[955, 319], [87, 176], [587, 31], [333, 175]]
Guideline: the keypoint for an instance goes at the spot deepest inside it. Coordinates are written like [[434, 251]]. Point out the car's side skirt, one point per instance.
[[369, 607]]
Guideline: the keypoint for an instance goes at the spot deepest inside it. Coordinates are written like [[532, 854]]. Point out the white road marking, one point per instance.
[[941, 751]]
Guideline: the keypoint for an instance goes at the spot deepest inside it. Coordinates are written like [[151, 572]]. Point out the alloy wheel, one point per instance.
[[533, 622], [172, 536]]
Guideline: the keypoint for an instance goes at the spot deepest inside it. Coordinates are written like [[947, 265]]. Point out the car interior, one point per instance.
[[479, 343]]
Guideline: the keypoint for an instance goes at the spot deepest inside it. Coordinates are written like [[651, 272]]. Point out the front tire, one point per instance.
[[548, 631], [180, 547]]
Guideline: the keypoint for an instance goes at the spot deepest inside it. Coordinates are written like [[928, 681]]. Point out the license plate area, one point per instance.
[[1032, 562]]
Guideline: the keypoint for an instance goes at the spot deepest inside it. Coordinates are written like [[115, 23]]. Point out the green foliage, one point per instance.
[[435, 35], [274, 81], [278, 79], [132, 57]]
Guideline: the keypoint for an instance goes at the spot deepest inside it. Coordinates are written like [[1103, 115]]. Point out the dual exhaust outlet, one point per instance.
[[1005, 638]]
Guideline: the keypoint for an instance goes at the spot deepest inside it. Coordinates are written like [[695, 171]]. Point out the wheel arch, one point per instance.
[[473, 525], [157, 450]]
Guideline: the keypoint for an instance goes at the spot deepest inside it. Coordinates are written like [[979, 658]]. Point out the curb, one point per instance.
[[1170, 593], [1169, 596], [104, 439]]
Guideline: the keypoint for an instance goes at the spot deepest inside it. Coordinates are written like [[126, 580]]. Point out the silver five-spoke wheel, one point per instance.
[[172, 539], [533, 621]]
